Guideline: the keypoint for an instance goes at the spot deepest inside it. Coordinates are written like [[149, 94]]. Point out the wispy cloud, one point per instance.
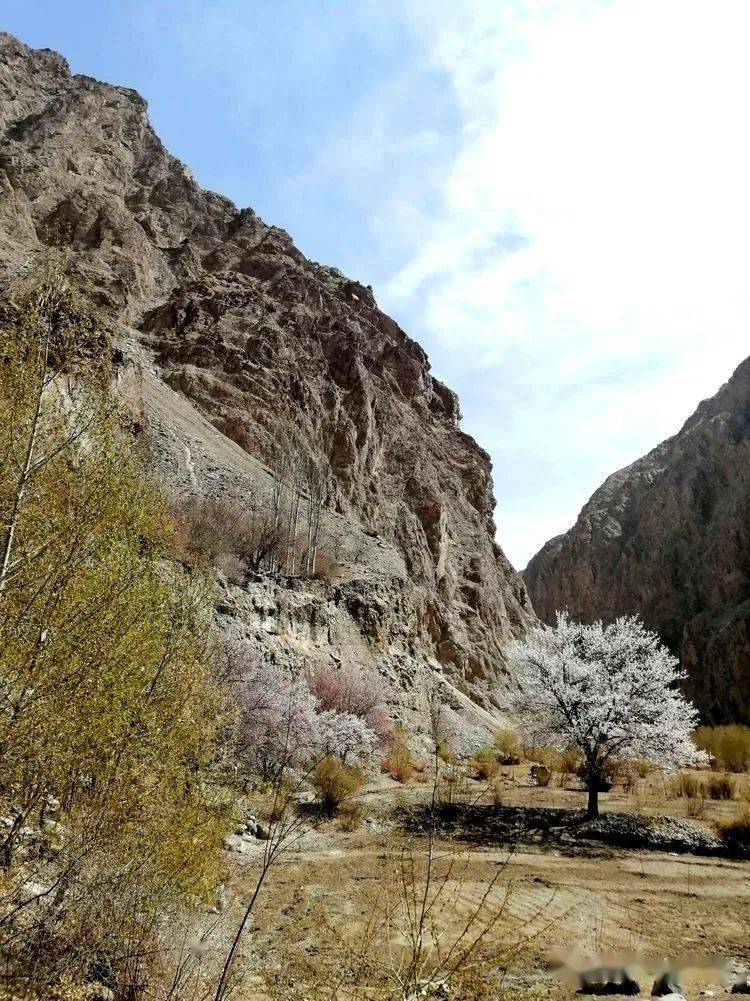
[[585, 271], [551, 195]]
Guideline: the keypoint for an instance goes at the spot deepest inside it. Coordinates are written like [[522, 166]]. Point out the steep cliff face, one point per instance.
[[223, 312], [669, 537]]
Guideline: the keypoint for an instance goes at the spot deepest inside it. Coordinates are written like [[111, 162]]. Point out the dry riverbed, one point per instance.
[[327, 894]]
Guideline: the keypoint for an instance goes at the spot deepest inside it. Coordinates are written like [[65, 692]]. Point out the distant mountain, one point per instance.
[[669, 537]]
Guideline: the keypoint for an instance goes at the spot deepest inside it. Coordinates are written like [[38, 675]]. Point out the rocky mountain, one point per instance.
[[226, 334], [669, 537]]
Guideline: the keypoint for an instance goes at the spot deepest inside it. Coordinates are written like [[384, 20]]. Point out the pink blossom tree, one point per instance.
[[355, 692], [287, 723]]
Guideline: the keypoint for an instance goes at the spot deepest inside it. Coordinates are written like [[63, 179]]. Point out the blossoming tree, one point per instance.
[[609, 691]]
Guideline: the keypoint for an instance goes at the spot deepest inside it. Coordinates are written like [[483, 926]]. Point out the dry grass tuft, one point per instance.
[[728, 746], [335, 782]]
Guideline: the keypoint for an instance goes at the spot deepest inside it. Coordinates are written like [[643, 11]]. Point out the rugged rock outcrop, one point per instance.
[[669, 537], [222, 321]]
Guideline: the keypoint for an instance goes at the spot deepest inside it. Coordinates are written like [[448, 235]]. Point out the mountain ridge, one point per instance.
[[667, 537], [224, 310]]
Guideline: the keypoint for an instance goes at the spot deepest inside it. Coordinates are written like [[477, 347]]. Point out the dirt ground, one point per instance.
[[327, 893]]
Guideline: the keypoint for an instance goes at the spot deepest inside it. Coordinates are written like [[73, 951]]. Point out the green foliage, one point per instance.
[[728, 746], [446, 754], [108, 706], [548, 756]]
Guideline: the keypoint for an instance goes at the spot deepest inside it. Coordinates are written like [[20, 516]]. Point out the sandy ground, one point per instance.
[[325, 892]]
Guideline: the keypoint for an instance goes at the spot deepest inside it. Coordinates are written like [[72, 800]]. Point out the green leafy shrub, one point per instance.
[[121, 728]]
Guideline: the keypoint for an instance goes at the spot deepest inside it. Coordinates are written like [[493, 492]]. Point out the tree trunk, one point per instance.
[[23, 479], [592, 810]]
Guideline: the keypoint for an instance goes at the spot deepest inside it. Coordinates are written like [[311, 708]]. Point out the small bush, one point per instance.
[[445, 754], [452, 786], [728, 746], [695, 808], [736, 833], [685, 786], [400, 764], [508, 747], [350, 816], [719, 787], [571, 761], [548, 756], [485, 763], [335, 782], [643, 767], [497, 791]]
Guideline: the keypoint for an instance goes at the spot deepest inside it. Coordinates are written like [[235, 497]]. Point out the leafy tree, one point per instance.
[[609, 690], [108, 704]]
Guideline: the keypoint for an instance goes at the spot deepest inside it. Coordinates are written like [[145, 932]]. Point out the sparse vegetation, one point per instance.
[[728, 747], [509, 748], [336, 782]]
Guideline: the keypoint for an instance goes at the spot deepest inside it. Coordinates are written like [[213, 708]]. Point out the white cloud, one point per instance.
[[588, 256]]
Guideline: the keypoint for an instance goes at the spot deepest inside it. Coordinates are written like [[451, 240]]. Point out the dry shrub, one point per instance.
[[219, 533], [485, 763], [327, 567], [335, 782], [629, 782], [497, 791], [508, 747], [719, 787], [685, 786], [209, 530], [399, 764], [716, 787], [643, 767], [736, 833], [728, 746], [696, 808], [452, 786], [351, 816]]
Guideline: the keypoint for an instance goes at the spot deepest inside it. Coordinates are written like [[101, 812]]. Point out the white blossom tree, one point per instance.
[[611, 691]]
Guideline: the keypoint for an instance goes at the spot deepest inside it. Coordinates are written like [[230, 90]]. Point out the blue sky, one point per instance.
[[550, 195]]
